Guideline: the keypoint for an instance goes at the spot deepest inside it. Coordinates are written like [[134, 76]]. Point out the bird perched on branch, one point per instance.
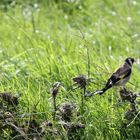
[[120, 76]]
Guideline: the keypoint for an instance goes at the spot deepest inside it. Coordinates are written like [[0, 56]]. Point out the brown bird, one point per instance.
[[120, 77]]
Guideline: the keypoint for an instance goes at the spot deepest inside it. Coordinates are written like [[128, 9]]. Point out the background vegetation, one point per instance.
[[45, 41]]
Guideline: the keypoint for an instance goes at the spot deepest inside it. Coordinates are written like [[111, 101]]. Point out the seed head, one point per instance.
[[55, 89], [80, 80], [66, 110]]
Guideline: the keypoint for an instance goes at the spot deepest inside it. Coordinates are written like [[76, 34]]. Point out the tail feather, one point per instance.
[[98, 92], [103, 90]]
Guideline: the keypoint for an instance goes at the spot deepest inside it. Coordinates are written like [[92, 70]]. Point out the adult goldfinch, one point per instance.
[[120, 76]]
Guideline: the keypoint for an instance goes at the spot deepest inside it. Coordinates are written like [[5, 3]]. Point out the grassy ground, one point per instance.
[[45, 42]]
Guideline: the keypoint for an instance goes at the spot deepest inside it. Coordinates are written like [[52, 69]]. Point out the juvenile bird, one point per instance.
[[120, 76]]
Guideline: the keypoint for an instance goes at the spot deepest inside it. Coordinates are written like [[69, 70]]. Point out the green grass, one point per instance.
[[39, 46]]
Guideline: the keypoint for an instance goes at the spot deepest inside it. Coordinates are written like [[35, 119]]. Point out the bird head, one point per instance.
[[130, 61]]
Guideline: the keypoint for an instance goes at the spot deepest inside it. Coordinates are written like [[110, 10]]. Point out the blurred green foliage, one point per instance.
[[41, 42]]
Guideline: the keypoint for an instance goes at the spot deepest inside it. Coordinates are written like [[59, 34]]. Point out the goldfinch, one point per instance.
[[120, 76]]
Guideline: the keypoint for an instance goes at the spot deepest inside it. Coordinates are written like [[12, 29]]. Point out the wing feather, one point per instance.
[[119, 74]]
